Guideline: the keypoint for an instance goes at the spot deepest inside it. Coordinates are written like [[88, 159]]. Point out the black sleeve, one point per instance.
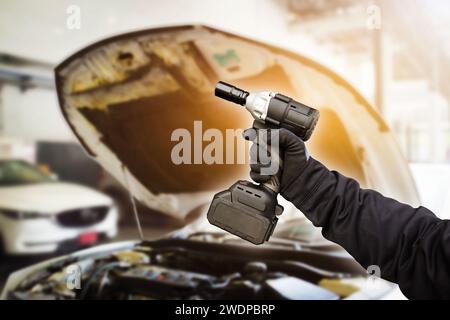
[[410, 245]]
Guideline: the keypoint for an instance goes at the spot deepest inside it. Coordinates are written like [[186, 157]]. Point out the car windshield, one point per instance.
[[18, 172]]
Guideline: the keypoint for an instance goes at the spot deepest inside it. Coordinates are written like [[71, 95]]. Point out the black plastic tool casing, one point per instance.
[[246, 210]]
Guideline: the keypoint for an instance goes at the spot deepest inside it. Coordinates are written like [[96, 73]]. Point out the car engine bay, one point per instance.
[[205, 266]]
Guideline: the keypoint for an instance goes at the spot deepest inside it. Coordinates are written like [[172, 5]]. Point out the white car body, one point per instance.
[[43, 233]]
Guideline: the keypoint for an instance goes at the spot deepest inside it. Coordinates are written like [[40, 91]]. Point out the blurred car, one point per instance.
[[39, 214], [123, 97]]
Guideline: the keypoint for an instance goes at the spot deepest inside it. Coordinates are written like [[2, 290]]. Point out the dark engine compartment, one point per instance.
[[196, 269]]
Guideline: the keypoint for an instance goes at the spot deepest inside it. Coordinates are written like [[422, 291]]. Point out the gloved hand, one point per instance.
[[292, 152]]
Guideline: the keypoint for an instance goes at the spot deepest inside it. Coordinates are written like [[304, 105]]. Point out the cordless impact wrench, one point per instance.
[[246, 209]]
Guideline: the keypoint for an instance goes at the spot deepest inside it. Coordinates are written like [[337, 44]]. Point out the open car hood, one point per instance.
[[124, 96]]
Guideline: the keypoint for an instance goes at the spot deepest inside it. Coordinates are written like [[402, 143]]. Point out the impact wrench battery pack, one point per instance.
[[246, 211]]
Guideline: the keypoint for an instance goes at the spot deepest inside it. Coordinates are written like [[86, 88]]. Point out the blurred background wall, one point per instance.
[[396, 53]]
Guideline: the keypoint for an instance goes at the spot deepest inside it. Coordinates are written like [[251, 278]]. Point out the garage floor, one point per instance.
[[11, 264]]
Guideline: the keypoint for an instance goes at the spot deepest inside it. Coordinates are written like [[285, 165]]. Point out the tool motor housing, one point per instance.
[[285, 112]]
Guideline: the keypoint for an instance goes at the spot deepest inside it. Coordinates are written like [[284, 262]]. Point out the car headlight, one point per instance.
[[19, 215]]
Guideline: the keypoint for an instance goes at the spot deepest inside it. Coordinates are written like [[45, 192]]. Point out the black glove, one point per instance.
[[292, 152]]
